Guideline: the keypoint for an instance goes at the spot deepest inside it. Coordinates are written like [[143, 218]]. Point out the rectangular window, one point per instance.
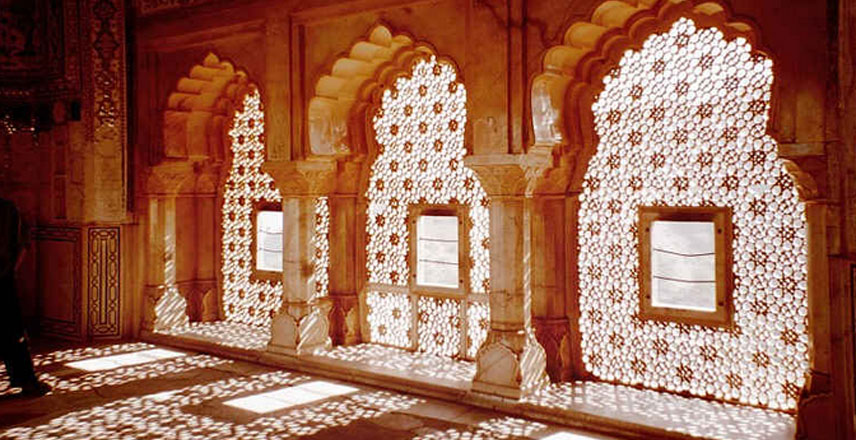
[[685, 264], [438, 246], [268, 241], [437, 251]]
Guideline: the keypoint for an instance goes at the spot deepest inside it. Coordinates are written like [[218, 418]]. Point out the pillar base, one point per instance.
[[199, 295], [554, 335], [345, 319], [300, 329], [510, 364], [166, 308], [816, 409]]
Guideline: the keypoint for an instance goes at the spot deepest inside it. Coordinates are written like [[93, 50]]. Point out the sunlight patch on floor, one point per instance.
[[125, 360], [290, 396]]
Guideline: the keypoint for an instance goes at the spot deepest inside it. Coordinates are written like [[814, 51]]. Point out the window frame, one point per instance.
[[461, 212], [258, 274], [723, 316]]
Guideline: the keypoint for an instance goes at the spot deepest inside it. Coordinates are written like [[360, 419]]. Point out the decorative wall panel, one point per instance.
[[106, 96], [247, 300], [104, 269], [682, 122], [58, 251]]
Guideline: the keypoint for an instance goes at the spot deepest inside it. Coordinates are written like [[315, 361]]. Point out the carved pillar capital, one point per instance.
[[510, 174], [303, 178], [169, 177]]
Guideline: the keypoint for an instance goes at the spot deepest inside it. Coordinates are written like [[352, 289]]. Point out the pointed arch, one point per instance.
[[214, 138], [423, 166]]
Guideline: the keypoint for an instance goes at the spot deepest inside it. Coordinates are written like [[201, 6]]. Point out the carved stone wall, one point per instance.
[[63, 150], [40, 52], [105, 93]]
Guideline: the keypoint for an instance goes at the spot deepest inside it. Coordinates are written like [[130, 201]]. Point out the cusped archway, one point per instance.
[[392, 101], [665, 104]]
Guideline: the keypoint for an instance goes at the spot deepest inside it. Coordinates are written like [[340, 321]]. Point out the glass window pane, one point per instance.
[[269, 241], [437, 251], [683, 265]]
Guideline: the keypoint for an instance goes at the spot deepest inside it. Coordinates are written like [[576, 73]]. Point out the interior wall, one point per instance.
[[69, 177], [498, 47]]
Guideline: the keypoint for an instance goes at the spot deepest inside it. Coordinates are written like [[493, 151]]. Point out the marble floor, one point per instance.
[[135, 390]]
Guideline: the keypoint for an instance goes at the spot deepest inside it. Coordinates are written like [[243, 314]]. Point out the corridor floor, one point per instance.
[[134, 390]]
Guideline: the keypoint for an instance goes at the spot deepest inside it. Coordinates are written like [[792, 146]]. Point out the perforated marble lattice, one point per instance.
[[420, 140], [245, 299], [682, 122], [478, 323], [389, 318], [321, 246], [439, 324]]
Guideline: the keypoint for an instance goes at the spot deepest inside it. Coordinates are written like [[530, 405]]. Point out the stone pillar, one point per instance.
[[163, 306], [511, 362], [572, 303], [344, 270], [816, 407], [345, 313], [547, 271], [302, 324], [199, 247]]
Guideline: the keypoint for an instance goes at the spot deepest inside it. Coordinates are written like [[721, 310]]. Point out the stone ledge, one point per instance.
[[593, 406]]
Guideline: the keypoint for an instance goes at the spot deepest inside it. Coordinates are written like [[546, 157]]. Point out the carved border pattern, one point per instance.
[[104, 278], [108, 65], [105, 94], [64, 329]]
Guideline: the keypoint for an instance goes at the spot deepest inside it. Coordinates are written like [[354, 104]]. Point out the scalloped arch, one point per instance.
[[338, 112], [572, 72], [199, 111]]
